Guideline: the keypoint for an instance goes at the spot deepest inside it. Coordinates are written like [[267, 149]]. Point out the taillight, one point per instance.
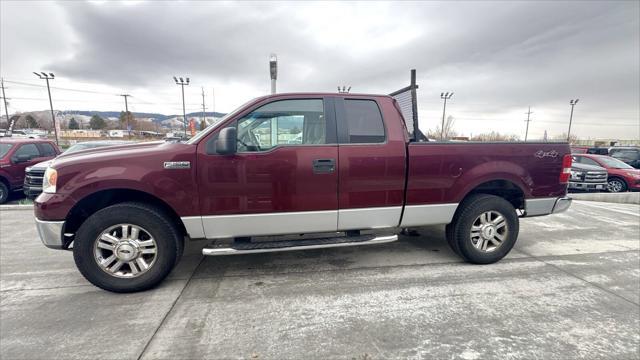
[[566, 169]]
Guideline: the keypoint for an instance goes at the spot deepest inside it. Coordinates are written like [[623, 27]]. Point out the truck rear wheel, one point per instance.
[[484, 229], [127, 247]]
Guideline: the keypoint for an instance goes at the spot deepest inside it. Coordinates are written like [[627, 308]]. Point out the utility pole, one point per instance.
[[126, 111], [273, 70], [572, 103], [444, 96], [204, 114], [184, 111], [527, 121], [213, 103], [47, 77], [6, 108]]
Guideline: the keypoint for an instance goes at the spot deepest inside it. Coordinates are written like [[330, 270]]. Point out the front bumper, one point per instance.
[[546, 206], [51, 233], [584, 186]]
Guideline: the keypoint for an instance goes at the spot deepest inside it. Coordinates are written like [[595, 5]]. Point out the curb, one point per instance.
[[16, 207], [617, 198]]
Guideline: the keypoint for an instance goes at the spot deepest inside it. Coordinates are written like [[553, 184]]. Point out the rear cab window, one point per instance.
[[363, 122]]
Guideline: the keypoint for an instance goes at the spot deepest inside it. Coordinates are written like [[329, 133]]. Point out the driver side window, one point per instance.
[[284, 122]]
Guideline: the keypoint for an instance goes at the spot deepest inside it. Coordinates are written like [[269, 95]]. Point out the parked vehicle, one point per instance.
[[15, 155], [620, 176], [587, 177], [356, 176], [32, 186], [627, 154]]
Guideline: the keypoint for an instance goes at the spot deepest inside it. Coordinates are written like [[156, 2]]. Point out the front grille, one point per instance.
[[34, 177], [595, 177]]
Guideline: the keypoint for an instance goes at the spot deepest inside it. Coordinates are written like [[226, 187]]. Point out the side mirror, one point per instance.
[[21, 158], [227, 143]]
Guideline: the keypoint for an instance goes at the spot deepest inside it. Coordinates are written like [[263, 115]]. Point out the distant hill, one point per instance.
[[157, 117]]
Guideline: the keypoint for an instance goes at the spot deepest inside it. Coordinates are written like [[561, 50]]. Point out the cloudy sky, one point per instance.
[[498, 57]]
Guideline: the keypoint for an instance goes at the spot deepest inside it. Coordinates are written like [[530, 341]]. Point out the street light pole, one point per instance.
[[273, 70], [204, 114], [45, 76], [445, 96], [572, 103], [184, 111]]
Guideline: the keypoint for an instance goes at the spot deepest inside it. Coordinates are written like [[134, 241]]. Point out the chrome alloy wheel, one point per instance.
[[125, 251], [489, 231], [615, 185]]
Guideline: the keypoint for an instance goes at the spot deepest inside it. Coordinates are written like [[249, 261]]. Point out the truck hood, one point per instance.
[[585, 167], [110, 148], [122, 153]]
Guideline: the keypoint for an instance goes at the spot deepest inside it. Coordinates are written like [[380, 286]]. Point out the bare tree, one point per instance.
[[448, 132], [495, 136]]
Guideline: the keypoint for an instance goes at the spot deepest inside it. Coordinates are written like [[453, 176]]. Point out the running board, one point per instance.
[[292, 245]]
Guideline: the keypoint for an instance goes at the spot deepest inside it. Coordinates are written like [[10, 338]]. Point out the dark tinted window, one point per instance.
[[47, 150], [364, 121], [28, 149]]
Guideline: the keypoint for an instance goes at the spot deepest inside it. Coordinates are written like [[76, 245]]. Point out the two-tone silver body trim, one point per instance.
[[225, 226], [50, 233], [369, 218], [230, 251], [432, 214]]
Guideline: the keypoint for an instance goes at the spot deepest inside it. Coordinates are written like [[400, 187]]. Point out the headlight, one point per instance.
[[50, 180], [576, 174], [27, 169]]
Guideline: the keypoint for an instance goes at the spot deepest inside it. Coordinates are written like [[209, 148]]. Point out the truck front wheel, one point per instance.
[[484, 229], [127, 247]]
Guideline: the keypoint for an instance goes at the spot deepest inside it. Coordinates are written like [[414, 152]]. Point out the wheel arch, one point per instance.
[[501, 187], [98, 200]]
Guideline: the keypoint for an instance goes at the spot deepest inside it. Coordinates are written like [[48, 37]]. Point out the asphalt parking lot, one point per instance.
[[569, 289]]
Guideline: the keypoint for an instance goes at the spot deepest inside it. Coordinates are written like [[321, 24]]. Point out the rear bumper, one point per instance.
[[546, 206], [50, 233]]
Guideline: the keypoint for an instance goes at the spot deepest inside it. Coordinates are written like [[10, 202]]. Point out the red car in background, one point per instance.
[[622, 176], [15, 155]]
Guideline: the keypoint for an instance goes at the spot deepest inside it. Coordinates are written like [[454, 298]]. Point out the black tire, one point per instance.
[[4, 192], [169, 246], [616, 185], [459, 231]]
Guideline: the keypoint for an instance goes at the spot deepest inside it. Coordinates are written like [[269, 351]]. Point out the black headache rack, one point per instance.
[[408, 101]]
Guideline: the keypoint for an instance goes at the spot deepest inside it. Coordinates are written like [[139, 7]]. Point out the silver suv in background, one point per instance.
[[587, 177]]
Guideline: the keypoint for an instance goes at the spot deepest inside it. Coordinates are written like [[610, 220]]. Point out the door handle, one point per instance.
[[324, 166]]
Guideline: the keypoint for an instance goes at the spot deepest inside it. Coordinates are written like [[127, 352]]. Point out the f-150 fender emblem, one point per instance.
[[543, 154], [177, 164]]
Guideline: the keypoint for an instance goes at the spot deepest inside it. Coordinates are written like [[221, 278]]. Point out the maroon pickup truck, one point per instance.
[[317, 169]]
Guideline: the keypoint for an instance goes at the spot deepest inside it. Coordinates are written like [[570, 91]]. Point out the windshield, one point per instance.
[[208, 129], [4, 149]]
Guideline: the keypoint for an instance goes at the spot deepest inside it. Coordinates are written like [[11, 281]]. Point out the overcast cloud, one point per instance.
[[498, 57]]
